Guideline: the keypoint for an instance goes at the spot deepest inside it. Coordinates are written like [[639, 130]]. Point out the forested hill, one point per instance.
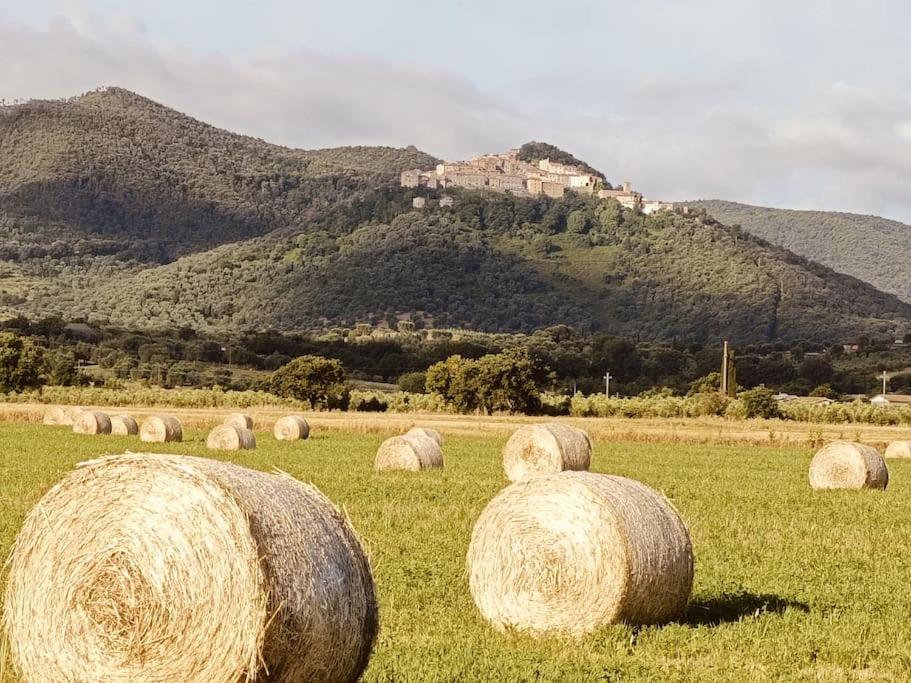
[[876, 250], [111, 172], [116, 209]]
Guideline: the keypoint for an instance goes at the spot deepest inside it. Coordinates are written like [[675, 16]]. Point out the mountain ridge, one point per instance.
[[869, 247], [115, 208]]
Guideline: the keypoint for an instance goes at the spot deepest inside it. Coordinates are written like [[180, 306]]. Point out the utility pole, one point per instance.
[[607, 379], [884, 383], [724, 370]]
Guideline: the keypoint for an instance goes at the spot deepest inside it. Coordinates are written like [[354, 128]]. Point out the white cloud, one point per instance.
[[738, 130]]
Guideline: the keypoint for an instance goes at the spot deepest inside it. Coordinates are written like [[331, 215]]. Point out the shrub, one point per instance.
[[759, 402]]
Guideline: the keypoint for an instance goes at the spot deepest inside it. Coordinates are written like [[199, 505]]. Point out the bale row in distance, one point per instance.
[[847, 465], [546, 449], [230, 438], [563, 554], [287, 587], [291, 428], [61, 416], [413, 452], [161, 429]]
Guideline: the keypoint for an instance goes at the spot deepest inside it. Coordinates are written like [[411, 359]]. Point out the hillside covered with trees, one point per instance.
[[873, 249], [117, 210]]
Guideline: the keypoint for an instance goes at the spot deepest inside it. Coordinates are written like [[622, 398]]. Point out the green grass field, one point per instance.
[[790, 584]]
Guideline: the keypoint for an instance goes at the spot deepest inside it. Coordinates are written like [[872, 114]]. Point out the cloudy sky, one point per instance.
[[775, 102]]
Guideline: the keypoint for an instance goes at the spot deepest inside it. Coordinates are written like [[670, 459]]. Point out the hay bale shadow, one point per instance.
[[734, 607]]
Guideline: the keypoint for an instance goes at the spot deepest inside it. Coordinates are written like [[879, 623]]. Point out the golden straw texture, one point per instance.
[[412, 452], [899, 449], [428, 432], [161, 429], [846, 465], [59, 415], [230, 438], [92, 422], [147, 567], [564, 554], [239, 420], [291, 428], [123, 425], [545, 449]]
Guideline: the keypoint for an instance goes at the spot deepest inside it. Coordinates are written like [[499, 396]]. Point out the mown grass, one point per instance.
[[790, 584]]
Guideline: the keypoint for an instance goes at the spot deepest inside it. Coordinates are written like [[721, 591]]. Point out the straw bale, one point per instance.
[[545, 449], [61, 415], [124, 425], [161, 429], [899, 449], [92, 422], [145, 567], [412, 452], [563, 554], [291, 428], [230, 438], [847, 465], [428, 432], [240, 420]]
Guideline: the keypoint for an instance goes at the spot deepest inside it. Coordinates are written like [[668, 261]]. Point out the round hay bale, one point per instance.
[[240, 420], [161, 429], [169, 568], [412, 452], [123, 425], [899, 449], [545, 449], [428, 432], [563, 554], [92, 422], [848, 465], [230, 438], [291, 428], [60, 415]]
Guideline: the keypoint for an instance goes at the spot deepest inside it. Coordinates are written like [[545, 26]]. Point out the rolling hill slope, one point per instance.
[[876, 250], [114, 208]]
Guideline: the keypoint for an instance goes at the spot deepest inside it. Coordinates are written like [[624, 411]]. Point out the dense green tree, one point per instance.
[[413, 382], [21, 363], [321, 381]]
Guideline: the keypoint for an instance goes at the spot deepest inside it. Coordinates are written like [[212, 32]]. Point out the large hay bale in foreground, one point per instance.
[[545, 449], [291, 428], [60, 415], [92, 422], [899, 449], [848, 465], [240, 420], [147, 567], [123, 425], [161, 429], [563, 554], [428, 432], [230, 438], [412, 452]]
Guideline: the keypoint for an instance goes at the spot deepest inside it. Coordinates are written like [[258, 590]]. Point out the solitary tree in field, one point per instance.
[[21, 363], [321, 381]]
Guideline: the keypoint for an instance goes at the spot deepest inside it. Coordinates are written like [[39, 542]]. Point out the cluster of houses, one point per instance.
[[508, 173]]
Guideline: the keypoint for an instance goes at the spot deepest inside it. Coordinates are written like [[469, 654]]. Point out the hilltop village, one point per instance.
[[508, 173]]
